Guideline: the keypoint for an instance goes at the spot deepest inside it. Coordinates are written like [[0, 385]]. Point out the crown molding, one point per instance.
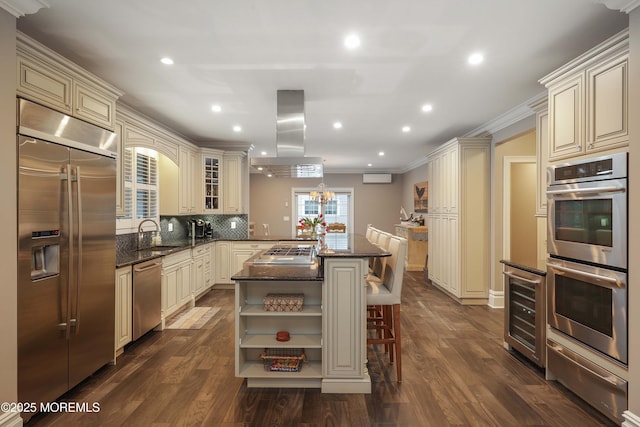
[[514, 115], [20, 8], [625, 6]]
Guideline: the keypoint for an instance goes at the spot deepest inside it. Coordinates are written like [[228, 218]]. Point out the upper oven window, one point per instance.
[[584, 221]]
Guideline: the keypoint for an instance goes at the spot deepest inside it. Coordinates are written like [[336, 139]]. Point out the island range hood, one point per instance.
[[290, 161]]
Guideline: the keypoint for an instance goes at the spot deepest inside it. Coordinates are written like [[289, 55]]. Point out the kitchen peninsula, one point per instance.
[[328, 334]]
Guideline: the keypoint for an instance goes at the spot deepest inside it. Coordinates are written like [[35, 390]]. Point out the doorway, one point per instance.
[[339, 210], [519, 210]]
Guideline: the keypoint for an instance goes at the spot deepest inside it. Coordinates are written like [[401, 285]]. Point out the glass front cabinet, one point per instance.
[[212, 182]]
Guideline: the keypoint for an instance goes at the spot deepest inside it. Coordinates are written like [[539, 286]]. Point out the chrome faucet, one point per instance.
[[140, 232]]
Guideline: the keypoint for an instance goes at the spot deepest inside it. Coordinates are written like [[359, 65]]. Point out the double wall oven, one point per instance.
[[587, 277]]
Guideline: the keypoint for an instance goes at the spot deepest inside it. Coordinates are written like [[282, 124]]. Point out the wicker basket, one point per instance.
[[283, 302], [283, 359]]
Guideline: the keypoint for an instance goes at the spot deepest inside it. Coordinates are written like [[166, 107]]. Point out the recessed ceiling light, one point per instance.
[[337, 125], [259, 168], [237, 128], [475, 58], [216, 108], [381, 153], [427, 107], [264, 153], [166, 61], [406, 129], [269, 175], [352, 41], [369, 164]]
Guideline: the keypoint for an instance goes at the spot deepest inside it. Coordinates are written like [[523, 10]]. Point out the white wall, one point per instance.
[[8, 254]]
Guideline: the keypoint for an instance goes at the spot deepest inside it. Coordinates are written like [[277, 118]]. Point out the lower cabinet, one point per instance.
[[176, 282], [231, 255], [202, 280], [124, 307], [256, 329]]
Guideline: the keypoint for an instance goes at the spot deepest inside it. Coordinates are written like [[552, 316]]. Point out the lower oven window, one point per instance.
[[584, 303]]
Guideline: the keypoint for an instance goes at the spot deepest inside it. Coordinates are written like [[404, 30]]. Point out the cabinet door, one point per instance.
[[435, 196], [93, 106], [452, 265], [211, 177], [169, 290], [344, 303], [199, 272], [239, 257], [44, 85], [186, 181], [232, 184], [542, 147], [223, 263], [450, 180], [124, 307], [566, 113], [607, 121], [185, 277]]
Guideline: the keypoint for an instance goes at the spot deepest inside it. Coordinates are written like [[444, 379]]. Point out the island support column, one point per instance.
[[344, 326]]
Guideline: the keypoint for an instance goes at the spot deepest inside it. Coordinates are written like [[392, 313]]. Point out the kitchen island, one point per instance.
[[328, 333]]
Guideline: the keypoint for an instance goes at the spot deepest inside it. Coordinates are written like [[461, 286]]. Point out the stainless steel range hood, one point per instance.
[[290, 161]]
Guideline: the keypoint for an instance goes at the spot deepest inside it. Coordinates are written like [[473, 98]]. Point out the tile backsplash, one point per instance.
[[221, 225]]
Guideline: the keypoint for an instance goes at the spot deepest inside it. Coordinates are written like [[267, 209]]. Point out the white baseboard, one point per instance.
[[10, 419], [630, 419], [496, 299]]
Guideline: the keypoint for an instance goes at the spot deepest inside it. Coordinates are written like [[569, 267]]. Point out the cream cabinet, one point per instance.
[[202, 280], [211, 181], [49, 79], [231, 255], [588, 101], [177, 273], [344, 303], [187, 190], [120, 167], [223, 263], [233, 183], [458, 250], [124, 307]]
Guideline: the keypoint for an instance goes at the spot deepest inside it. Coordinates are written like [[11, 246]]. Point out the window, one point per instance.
[[141, 193], [338, 210]]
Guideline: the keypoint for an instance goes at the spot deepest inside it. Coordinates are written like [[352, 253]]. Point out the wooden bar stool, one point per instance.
[[383, 303]]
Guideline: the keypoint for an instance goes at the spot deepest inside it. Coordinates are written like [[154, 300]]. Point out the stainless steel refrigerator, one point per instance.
[[66, 251]]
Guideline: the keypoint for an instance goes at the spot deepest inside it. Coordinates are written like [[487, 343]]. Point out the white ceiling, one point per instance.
[[239, 53]]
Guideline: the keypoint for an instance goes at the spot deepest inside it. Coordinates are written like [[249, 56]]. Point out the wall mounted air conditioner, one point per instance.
[[376, 178]]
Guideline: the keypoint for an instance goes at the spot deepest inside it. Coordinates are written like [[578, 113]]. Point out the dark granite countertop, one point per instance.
[[136, 256], [332, 246], [526, 268]]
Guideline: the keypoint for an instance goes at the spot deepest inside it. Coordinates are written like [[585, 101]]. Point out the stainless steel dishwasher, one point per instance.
[[147, 304]]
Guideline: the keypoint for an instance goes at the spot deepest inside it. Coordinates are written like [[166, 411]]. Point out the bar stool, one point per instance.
[[383, 304]]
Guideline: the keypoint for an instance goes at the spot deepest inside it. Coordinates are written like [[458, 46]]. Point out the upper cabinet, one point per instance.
[[211, 162], [235, 180], [588, 105], [47, 78]]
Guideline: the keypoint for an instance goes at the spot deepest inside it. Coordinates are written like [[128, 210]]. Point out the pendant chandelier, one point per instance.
[[322, 195]]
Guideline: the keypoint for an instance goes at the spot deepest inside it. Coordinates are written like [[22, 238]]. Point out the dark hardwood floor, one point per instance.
[[456, 373]]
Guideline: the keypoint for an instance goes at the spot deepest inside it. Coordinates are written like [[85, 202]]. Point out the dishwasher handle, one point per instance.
[[147, 267]]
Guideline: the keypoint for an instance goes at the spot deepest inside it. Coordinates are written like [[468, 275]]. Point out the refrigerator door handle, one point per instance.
[[70, 239], [76, 321]]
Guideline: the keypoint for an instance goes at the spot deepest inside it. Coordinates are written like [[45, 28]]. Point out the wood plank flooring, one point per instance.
[[456, 373]]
